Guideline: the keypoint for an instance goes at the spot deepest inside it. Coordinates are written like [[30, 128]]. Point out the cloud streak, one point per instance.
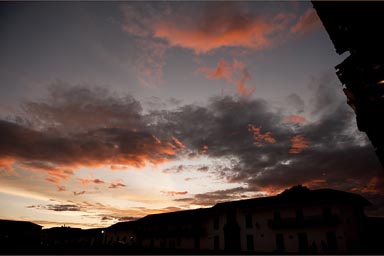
[[174, 193]]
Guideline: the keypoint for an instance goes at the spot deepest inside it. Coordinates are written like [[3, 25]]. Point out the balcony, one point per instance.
[[306, 222]]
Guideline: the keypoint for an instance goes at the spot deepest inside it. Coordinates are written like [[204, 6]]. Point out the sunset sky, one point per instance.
[[110, 111]]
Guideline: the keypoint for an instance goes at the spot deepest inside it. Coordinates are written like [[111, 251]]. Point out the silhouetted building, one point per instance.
[[356, 27], [121, 234], [67, 236], [298, 220], [19, 233]]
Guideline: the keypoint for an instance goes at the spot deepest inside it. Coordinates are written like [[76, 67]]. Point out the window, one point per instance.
[[280, 242], [172, 244], [303, 242], [196, 242], [332, 241], [250, 244], [216, 242], [216, 223], [248, 221]]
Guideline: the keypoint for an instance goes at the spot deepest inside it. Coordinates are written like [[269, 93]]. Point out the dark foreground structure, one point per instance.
[[19, 234], [356, 27], [297, 221]]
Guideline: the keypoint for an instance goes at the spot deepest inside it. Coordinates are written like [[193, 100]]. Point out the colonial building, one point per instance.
[[298, 220]]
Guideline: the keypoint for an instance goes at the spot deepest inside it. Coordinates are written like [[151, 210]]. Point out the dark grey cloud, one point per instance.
[[79, 193], [78, 126], [175, 169], [117, 185], [249, 135], [72, 109], [127, 218], [214, 197], [296, 102], [57, 207], [203, 169], [336, 150]]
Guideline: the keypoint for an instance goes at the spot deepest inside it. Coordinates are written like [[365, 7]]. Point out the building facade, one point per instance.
[[298, 220]]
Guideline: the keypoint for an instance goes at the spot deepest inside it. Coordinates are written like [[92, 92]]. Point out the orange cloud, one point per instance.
[[86, 182], [222, 70], [58, 155], [235, 74], [56, 174], [6, 166], [226, 28], [216, 26], [372, 187], [299, 143], [118, 167], [178, 143], [315, 183], [295, 119], [204, 149], [306, 23], [241, 87], [258, 137], [174, 193]]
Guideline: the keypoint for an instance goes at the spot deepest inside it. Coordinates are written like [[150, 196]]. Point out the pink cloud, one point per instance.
[[235, 74], [241, 87], [299, 143], [228, 26], [222, 70]]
